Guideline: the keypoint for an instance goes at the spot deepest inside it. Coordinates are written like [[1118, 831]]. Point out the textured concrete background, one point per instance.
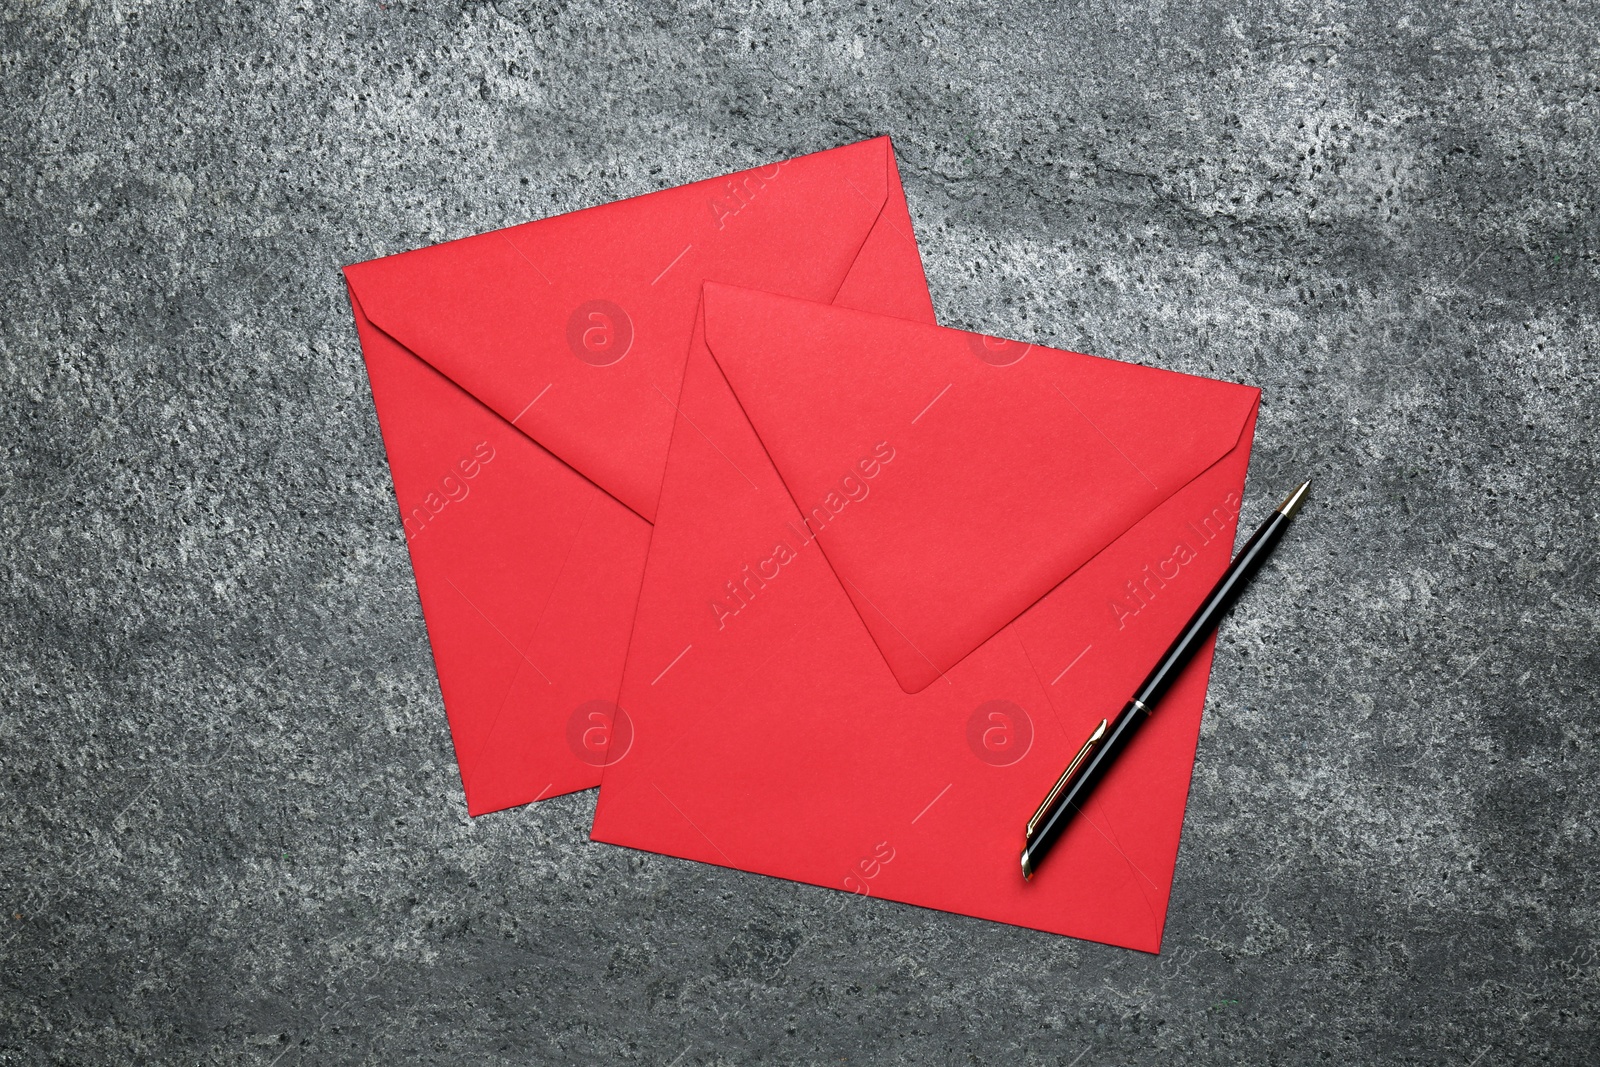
[[231, 828]]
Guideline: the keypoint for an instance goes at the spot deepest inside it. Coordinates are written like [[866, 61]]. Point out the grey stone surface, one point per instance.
[[231, 829]]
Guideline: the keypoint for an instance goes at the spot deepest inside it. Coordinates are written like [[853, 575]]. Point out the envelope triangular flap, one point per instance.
[[951, 480], [574, 327]]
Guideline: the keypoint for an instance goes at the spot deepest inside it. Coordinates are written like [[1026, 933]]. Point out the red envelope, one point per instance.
[[898, 574], [525, 383]]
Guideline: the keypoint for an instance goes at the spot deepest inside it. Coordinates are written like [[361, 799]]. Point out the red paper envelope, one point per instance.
[[525, 382], [898, 574]]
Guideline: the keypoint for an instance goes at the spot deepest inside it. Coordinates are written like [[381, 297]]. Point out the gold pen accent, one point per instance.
[[1061, 785], [1293, 501]]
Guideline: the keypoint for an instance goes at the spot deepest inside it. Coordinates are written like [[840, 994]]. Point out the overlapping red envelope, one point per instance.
[[896, 571], [526, 383]]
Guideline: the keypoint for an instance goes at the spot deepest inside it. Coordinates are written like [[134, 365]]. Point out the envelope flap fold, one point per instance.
[[952, 479], [573, 328]]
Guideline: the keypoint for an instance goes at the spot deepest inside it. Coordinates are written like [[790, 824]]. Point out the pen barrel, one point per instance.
[[1075, 791], [1217, 602], [1095, 760]]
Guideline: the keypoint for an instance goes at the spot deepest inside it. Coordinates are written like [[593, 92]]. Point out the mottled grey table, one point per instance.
[[232, 828]]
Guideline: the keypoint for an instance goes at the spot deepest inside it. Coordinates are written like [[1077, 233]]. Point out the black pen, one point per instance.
[[1111, 736]]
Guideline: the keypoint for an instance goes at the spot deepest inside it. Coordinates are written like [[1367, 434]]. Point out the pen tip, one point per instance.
[[1027, 866], [1291, 503]]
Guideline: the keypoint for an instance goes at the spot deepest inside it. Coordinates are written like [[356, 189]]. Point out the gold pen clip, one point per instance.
[[1066, 778]]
